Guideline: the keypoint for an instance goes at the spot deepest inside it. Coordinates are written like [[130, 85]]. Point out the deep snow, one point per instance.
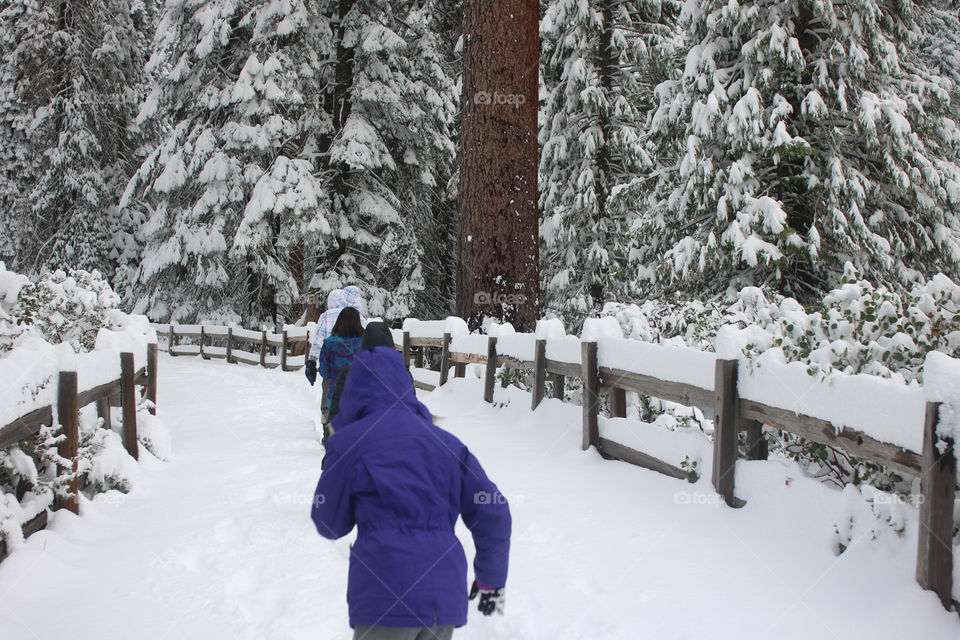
[[218, 543]]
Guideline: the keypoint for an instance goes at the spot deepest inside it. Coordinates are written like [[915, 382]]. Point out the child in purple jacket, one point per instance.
[[403, 483]]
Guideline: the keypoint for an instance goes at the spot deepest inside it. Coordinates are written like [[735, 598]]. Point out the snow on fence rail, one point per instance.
[[286, 349], [70, 398], [868, 417]]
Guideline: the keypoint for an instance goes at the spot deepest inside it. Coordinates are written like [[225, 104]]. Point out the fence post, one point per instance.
[[726, 416], [406, 349], [756, 445], [128, 404], [418, 358], [263, 348], [230, 345], [618, 402], [938, 489], [172, 340], [445, 359], [490, 376], [283, 352], [591, 395], [152, 377], [459, 369], [67, 416], [103, 411], [539, 372], [559, 383], [203, 338]]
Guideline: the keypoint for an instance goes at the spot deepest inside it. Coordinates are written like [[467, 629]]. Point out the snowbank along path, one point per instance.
[[218, 543]]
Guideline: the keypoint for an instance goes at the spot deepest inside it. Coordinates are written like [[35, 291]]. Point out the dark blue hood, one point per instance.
[[377, 334], [377, 381]]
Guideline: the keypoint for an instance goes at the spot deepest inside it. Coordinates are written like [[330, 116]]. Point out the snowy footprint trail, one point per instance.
[[218, 542]]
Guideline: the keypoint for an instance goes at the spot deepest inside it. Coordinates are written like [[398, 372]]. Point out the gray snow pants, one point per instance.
[[325, 391], [366, 632]]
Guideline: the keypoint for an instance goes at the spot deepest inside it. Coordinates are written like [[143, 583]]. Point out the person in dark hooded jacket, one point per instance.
[[404, 482], [377, 334], [339, 349]]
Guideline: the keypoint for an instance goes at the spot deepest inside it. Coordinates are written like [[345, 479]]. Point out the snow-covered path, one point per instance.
[[217, 543]]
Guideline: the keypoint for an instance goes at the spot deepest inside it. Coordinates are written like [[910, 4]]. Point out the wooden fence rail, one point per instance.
[[935, 465], [70, 399], [271, 350]]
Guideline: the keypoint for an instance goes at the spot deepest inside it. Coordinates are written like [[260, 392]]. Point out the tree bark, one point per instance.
[[498, 269]]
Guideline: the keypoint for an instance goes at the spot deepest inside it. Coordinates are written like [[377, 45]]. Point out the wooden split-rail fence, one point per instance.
[[271, 350], [71, 397], [935, 465]]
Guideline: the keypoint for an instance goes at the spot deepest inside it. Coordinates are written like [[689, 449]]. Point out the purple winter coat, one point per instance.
[[404, 482]]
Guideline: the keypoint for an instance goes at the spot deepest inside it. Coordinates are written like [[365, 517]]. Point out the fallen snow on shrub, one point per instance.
[[65, 321], [856, 359], [154, 436]]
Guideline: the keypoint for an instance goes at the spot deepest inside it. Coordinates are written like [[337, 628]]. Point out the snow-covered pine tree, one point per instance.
[[18, 166], [436, 219], [391, 156], [234, 206], [68, 94], [601, 61], [800, 135], [940, 41], [128, 240]]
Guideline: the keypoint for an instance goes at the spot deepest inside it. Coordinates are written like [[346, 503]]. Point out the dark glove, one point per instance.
[[311, 371], [490, 599]]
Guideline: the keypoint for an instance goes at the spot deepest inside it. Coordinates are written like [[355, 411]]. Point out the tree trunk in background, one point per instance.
[[498, 271], [338, 104], [295, 264], [606, 66]]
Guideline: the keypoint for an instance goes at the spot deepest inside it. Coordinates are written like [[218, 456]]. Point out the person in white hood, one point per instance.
[[352, 297], [325, 323], [337, 300]]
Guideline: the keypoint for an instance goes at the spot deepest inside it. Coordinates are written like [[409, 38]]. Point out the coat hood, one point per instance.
[[335, 299], [352, 297], [378, 381], [377, 334]]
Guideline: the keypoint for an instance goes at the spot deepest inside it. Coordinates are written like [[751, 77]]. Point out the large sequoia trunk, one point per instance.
[[498, 272]]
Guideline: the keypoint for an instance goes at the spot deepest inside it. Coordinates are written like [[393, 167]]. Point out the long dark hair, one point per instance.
[[348, 324]]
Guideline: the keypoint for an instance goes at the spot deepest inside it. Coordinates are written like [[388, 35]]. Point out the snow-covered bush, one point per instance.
[[69, 307], [64, 319], [869, 514], [104, 461], [10, 286], [28, 482], [153, 435], [857, 328], [669, 319]]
